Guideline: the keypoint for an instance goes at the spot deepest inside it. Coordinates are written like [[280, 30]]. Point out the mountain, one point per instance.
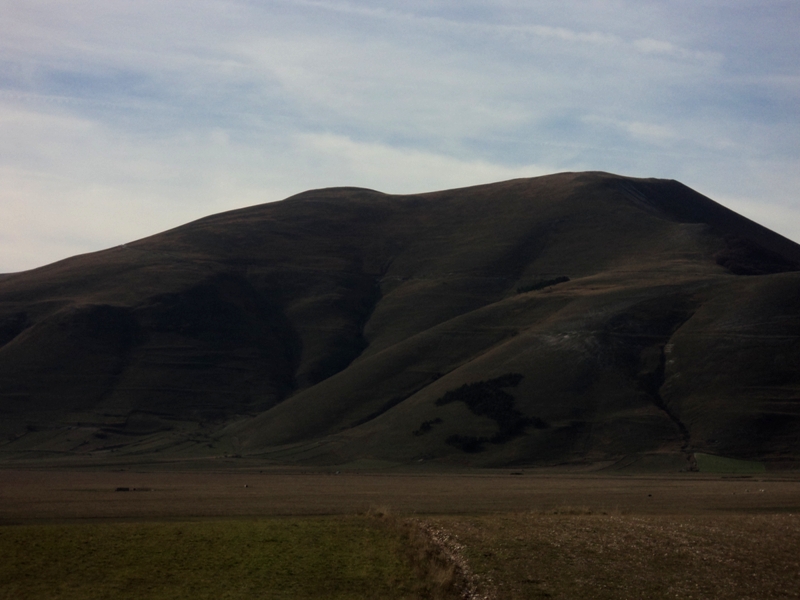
[[577, 317]]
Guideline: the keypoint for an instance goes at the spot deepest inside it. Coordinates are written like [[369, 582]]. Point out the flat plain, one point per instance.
[[64, 495], [509, 534]]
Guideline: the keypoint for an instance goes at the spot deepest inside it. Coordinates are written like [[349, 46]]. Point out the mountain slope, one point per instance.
[[570, 317]]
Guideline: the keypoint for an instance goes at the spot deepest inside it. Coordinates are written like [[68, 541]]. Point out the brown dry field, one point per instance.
[[535, 535], [594, 556], [65, 495]]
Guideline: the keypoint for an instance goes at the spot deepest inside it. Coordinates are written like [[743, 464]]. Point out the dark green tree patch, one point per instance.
[[466, 443], [12, 325], [426, 426], [488, 399], [539, 423], [540, 285]]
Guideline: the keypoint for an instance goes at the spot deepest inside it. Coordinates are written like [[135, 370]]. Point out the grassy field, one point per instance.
[[292, 558], [476, 535]]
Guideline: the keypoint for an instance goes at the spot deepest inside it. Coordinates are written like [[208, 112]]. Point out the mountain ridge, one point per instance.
[[327, 327]]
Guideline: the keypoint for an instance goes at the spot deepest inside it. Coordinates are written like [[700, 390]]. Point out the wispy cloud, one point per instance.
[[122, 119], [402, 170]]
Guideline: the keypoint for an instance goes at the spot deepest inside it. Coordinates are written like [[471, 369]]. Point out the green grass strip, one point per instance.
[[710, 463], [292, 558]]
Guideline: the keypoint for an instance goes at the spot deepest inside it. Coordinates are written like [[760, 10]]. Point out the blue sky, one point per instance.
[[122, 119]]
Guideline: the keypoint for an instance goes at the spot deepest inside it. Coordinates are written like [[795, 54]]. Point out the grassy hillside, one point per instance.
[[639, 316]]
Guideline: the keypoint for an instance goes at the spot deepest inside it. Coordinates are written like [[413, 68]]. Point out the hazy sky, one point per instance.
[[123, 118]]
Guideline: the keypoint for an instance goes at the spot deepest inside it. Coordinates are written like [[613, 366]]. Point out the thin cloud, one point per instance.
[[144, 115], [404, 170], [651, 46], [647, 46]]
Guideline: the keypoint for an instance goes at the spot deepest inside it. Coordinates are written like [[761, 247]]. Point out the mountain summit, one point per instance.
[[572, 317]]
